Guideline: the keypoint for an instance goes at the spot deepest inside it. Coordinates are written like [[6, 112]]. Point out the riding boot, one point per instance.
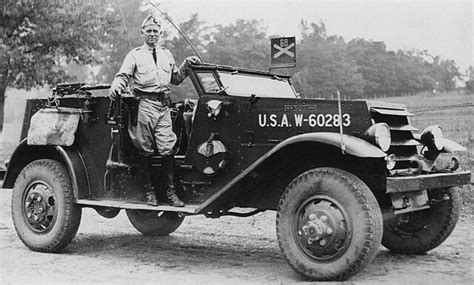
[[168, 177], [145, 166]]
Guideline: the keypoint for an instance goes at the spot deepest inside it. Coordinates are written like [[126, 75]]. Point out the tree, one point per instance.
[[325, 65], [470, 80], [38, 38], [243, 44], [127, 31], [446, 73], [198, 34]]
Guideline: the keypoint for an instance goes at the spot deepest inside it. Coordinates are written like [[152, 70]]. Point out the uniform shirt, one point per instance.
[[147, 76]]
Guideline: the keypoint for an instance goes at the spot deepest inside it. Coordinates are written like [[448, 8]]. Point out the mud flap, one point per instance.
[[54, 126]]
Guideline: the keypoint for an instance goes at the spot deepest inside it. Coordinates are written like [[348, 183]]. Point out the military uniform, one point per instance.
[[150, 82], [150, 69]]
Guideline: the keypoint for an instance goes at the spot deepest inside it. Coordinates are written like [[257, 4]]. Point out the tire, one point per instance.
[[329, 224], [44, 213], [421, 231], [150, 223], [107, 212]]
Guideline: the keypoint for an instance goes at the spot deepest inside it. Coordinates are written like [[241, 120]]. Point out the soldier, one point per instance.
[[150, 69]]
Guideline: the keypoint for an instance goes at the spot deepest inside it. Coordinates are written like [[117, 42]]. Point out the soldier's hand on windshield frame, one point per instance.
[[193, 60]]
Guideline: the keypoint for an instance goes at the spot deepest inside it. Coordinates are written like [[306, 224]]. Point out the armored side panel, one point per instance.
[[249, 128], [92, 138]]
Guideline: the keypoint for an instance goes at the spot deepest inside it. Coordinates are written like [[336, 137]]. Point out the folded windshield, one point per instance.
[[246, 84], [240, 84]]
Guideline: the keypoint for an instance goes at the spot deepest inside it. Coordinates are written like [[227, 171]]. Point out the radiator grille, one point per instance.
[[403, 145]]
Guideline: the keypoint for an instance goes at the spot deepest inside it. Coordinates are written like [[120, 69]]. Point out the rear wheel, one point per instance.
[[329, 224], [107, 212], [45, 216], [421, 231], [154, 223]]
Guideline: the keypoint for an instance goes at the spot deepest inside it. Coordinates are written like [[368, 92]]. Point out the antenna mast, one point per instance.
[[176, 27]]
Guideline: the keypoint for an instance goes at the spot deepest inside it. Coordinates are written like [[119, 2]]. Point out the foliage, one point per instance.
[[470, 81], [45, 42], [127, 36], [243, 43], [38, 38], [327, 66], [197, 34]]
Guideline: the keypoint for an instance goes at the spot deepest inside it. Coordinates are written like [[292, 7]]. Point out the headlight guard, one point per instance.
[[432, 137]]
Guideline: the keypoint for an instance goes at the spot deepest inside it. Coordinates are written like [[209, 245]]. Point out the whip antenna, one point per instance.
[[339, 109], [125, 26], [179, 31]]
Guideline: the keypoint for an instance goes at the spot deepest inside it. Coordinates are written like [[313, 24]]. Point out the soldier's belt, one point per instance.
[[162, 97]]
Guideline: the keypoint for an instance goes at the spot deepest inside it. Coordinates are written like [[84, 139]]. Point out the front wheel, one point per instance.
[[329, 224], [44, 213], [421, 231], [154, 223]]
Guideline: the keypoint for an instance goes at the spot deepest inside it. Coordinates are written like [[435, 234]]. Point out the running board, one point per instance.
[[188, 209]]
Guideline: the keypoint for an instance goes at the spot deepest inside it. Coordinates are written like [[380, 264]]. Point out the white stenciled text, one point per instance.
[[303, 120]]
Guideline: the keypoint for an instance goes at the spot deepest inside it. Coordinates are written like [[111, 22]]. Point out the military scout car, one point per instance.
[[343, 176]]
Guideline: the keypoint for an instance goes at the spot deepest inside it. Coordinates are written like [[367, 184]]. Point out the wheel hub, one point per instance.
[[322, 228], [39, 207], [317, 228]]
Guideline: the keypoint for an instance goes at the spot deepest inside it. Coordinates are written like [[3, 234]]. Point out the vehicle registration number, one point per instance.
[[303, 120]]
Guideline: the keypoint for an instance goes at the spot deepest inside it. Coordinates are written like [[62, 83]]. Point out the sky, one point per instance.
[[444, 28]]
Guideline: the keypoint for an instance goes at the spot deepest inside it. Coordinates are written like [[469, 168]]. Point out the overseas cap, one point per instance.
[[151, 20]]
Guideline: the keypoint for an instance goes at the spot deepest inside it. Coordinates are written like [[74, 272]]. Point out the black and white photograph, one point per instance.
[[236, 142]]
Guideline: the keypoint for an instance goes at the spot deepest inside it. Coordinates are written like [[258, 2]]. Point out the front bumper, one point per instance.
[[427, 181]]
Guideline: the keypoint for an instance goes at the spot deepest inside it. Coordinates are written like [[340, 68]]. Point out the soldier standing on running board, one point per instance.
[[151, 69]]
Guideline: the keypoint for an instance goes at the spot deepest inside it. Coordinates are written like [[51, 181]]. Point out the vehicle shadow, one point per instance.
[[198, 251], [192, 248], [218, 255]]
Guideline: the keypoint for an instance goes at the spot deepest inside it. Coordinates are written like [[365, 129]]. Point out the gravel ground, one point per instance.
[[207, 251]]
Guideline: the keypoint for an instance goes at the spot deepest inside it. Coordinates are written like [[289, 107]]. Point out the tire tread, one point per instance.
[[448, 221], [72, 211], [371, 225]]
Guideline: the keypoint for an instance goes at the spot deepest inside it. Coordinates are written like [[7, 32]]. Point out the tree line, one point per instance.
[[47, 42]]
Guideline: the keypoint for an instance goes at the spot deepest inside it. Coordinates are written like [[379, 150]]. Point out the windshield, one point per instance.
[[239, 84]]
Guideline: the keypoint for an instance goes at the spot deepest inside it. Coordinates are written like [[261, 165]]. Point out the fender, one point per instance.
[[71, 157], [451, 146], [354, 146]]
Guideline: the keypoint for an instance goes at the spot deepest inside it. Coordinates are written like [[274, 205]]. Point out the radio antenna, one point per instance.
[[339, 110], [176, 27], [125, 26]]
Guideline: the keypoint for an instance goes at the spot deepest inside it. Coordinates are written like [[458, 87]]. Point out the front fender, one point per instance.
[[72, 159], [353, 146], [451, 146]]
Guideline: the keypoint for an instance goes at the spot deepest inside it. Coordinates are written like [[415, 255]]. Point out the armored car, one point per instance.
[[343, 176]]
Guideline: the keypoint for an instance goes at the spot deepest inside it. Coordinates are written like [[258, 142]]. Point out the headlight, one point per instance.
[[391, 160], [380, 135], [432, 136]]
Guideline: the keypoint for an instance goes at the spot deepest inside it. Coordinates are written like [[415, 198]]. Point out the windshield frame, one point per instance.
[[237, 84], [195, 72]]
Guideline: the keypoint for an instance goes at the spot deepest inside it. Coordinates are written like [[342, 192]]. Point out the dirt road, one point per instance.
[[205, 251]]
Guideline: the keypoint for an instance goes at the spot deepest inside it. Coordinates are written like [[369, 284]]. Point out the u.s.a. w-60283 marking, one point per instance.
[[303, 120]]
